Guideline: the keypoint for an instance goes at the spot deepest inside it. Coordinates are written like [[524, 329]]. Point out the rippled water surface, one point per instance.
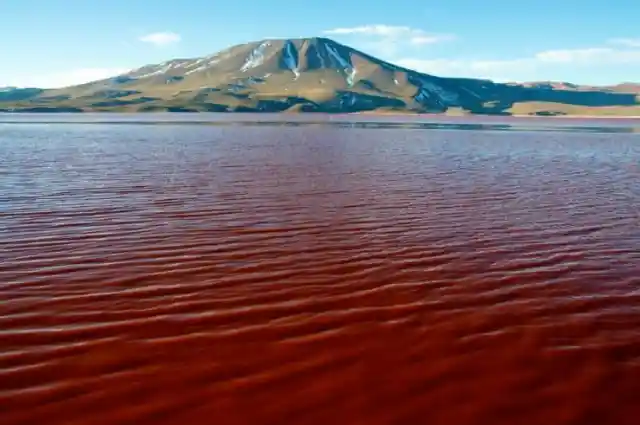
[[318, 274]]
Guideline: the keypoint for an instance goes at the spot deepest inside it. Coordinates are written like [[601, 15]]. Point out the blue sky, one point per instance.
[[51, 43]]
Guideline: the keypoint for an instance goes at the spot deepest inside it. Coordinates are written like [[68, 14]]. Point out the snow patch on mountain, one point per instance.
[[348, 99], [342, 62], [201, 64], [290, 58], [472, 93], [256, 57], [198, 69], [163, 68], [422, 96], [152, 73], [448, 98], [351, 76], [320, 58], [345, 64]]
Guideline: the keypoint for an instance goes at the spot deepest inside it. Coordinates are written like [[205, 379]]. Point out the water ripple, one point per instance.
[[318, 274]]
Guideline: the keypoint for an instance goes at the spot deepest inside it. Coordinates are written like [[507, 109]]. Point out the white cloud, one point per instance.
[[429, 39], [367, 30], [541, 65], [593, 55], [628, 42], [64, 79], [497, 70], [401, 45], [414, 35], [161, 39], [387, 40]]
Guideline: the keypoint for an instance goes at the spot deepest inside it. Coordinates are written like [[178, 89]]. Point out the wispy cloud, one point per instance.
[[161, 39], [497, 70], [588, 56], [627, 42], [387, 40], [403, 45], [414, 35], [527, 68]]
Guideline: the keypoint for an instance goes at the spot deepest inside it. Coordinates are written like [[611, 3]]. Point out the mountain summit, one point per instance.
[[312, 73], [306, 74]]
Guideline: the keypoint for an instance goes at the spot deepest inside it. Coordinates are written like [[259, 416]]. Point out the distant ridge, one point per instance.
[[315, 75]]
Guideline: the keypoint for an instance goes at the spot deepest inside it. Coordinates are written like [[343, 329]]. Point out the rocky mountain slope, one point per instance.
[[311, 75]]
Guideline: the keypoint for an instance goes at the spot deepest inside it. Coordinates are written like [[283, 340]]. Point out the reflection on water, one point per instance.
[[432, 122], [318, 274]]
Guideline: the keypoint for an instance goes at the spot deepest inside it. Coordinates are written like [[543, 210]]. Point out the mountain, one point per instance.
[[16, 94], [563, 85], [314, 75]]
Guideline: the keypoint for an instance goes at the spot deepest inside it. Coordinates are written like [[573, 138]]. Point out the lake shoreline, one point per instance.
[[365, 113]]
